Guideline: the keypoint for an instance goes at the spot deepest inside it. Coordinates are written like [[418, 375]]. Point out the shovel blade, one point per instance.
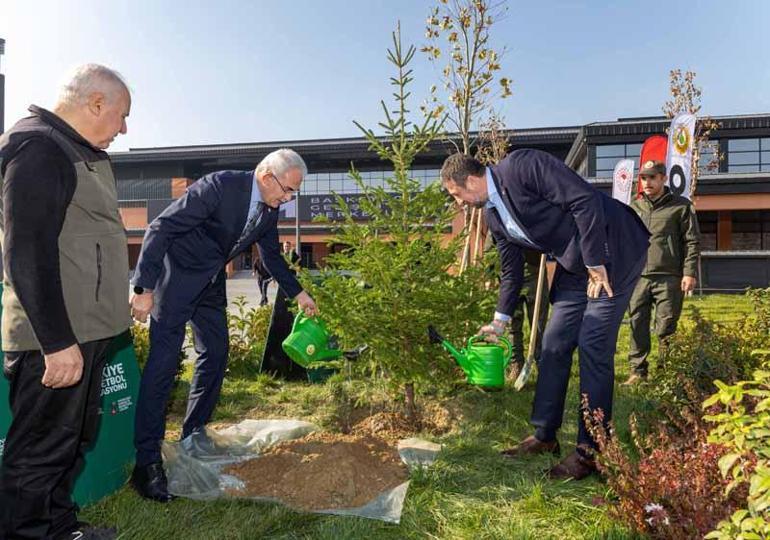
[[526, 371]]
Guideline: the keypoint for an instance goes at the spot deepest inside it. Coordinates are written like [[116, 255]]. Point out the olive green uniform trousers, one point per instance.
[[664, 293]]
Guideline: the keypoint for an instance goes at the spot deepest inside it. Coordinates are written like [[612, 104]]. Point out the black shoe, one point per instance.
[[151, 483], [84, 531]]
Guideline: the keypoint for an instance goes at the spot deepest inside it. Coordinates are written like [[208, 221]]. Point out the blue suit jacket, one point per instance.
[[187, 245], [566, 217]]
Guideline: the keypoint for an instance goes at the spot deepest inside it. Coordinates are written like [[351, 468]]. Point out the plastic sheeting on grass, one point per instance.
[[194, 466]]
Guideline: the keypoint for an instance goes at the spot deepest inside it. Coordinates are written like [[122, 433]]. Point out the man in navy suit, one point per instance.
[[533, 200], [180, 277]]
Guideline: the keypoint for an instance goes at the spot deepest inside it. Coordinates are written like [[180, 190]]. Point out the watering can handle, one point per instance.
[[298, 319], [473, 340], [501, 340]]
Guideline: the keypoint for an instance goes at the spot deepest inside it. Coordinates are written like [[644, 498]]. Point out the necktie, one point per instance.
[[248, 229]]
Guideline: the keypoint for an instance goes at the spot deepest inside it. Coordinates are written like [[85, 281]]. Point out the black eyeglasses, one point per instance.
[[290, 191]]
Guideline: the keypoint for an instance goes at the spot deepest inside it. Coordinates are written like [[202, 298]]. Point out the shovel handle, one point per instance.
[[527, 369]]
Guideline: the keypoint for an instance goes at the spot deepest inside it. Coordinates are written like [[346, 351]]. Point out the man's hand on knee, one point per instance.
[[63, 368], [598, 281]]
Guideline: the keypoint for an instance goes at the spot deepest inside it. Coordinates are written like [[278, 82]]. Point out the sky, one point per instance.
[[230, 71]]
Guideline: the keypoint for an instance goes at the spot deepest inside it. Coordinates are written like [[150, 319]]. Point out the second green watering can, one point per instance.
[[308, 341], [483, 363]]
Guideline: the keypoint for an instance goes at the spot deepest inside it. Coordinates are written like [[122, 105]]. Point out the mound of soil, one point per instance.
[[322, 471]]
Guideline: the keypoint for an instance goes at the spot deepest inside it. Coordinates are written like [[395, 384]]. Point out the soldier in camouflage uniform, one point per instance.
[[671, 265]]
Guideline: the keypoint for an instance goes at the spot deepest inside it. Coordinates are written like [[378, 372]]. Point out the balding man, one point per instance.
[[534, 201], [64, 297]]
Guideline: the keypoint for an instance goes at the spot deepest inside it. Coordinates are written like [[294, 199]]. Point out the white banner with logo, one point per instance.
[[681, 139], [623, 180]]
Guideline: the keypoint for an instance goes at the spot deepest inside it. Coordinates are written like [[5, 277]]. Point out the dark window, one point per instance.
[[707, 222], [706, 164], [610, 150], [633, 149], [145, 189], [744, 158], [341, 182], [608, 155], [750, 230], [743, 145], [306, 256], [748, 155]]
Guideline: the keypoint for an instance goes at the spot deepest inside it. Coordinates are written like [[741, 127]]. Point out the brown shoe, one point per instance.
[[574, 466], [634, 379], [532, 446]]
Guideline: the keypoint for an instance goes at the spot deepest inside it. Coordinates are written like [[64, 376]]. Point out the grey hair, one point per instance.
[[282, 161], [84, 80]]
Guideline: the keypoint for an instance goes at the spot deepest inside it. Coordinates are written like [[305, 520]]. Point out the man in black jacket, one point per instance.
[[532, 200], [66, 273]]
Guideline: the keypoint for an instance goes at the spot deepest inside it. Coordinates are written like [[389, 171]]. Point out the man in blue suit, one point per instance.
[[533, 200], [180, 277]]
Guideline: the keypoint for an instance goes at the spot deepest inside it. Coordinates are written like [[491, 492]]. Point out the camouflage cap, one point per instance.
[[652, 167]]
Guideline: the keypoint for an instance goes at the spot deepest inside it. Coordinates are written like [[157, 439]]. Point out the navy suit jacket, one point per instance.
[[566, 217], [188, 245]]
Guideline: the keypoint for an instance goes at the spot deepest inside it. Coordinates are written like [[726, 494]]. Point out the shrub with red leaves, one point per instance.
[[674, 490]]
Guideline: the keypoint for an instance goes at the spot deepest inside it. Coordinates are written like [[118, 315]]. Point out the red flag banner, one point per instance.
[[654, 148]]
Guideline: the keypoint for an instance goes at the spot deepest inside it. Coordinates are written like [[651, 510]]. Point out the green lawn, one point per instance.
[[469, 493]]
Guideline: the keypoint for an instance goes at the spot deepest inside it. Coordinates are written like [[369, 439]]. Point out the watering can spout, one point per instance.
[[459, 356]]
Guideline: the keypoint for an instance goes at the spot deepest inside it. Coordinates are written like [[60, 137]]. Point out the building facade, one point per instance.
[[733, 201]]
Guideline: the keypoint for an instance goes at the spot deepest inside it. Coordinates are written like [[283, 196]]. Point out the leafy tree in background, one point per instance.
[[468, 75], [458, 33]]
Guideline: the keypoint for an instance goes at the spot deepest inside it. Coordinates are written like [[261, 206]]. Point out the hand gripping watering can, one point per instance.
[[308, 341], [483, 363]]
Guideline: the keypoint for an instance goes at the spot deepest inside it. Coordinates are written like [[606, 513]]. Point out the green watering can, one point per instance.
[[483, 363], [308, 341]]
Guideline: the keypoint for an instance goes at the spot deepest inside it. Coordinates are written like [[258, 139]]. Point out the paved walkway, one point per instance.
[[241, 284], [244, 284]]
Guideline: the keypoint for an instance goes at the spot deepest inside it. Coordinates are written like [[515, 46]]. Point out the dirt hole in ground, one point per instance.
[[433, 419], [322, 471]]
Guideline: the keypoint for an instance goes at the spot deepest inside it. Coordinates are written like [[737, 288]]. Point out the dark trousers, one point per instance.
[[209, 324], [263, 284], [591, 325], [665, 293], [44, 449]]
